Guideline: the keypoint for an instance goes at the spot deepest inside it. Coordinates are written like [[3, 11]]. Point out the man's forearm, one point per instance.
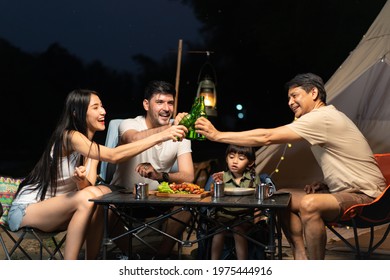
[[139, 135]]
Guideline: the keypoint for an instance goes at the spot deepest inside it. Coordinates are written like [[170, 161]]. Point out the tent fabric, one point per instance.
[[361, 89]]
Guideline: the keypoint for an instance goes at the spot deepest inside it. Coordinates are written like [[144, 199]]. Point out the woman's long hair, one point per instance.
[[46, 172]]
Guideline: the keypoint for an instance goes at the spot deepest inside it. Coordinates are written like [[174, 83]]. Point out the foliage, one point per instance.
[[256, 47]]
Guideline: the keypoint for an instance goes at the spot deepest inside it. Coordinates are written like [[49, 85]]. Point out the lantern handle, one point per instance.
[[208, 63]]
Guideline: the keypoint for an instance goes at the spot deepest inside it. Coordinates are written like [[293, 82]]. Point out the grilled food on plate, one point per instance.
[[185, 188]]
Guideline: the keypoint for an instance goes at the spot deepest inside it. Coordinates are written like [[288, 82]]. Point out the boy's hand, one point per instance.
[[218, 176]]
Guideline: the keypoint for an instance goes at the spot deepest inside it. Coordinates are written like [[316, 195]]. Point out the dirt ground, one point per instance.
[[336, 249], [30, 245]]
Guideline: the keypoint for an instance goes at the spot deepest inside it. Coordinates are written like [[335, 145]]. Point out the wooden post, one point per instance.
[[179, 55]]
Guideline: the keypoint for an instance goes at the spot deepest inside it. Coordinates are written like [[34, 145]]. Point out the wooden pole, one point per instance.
[[179, 55]]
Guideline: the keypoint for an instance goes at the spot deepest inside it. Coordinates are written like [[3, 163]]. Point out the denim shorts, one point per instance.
[[15, 215]]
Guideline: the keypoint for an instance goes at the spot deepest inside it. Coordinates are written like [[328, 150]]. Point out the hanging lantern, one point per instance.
[[207, 88]]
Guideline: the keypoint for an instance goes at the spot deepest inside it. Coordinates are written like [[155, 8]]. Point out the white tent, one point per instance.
[[361, 89]]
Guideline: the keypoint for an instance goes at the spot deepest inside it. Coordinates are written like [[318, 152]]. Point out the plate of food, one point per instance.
[[180, 190], [239, 191]]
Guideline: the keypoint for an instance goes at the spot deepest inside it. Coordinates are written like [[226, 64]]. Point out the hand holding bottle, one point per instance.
[[206, 128], [189, 120], [174, 132], [198, 110], [178, 118]]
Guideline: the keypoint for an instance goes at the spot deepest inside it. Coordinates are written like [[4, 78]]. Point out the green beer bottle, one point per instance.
[[189, 120], [201, 113]]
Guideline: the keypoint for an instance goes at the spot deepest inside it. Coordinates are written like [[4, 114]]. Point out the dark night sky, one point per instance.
[[105, 30], [283, 40]]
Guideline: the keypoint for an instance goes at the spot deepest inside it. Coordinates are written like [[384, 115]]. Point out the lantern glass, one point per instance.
[[207, 89], [209, 98]]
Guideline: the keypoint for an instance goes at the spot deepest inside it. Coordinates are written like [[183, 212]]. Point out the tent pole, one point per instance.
[[179, 55]]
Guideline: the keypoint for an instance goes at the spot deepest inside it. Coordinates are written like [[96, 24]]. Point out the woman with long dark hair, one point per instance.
[[55, 195]]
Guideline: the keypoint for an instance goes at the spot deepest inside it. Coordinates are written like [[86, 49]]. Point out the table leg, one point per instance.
[[271, 246], [130, 236], [106, 240], [279, 236]]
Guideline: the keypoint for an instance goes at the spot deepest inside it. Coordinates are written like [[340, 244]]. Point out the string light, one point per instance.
[[276, 170], [288, 145]]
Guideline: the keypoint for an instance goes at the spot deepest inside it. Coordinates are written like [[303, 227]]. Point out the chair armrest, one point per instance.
[[376, 212]]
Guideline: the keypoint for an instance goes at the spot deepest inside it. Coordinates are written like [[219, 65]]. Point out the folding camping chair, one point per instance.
[[112, 138], [370, 215], [8, 187]]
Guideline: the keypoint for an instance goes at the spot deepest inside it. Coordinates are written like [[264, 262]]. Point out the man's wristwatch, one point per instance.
[[165, 177]]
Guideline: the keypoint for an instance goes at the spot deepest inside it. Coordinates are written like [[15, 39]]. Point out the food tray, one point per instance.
[[204, 194]]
